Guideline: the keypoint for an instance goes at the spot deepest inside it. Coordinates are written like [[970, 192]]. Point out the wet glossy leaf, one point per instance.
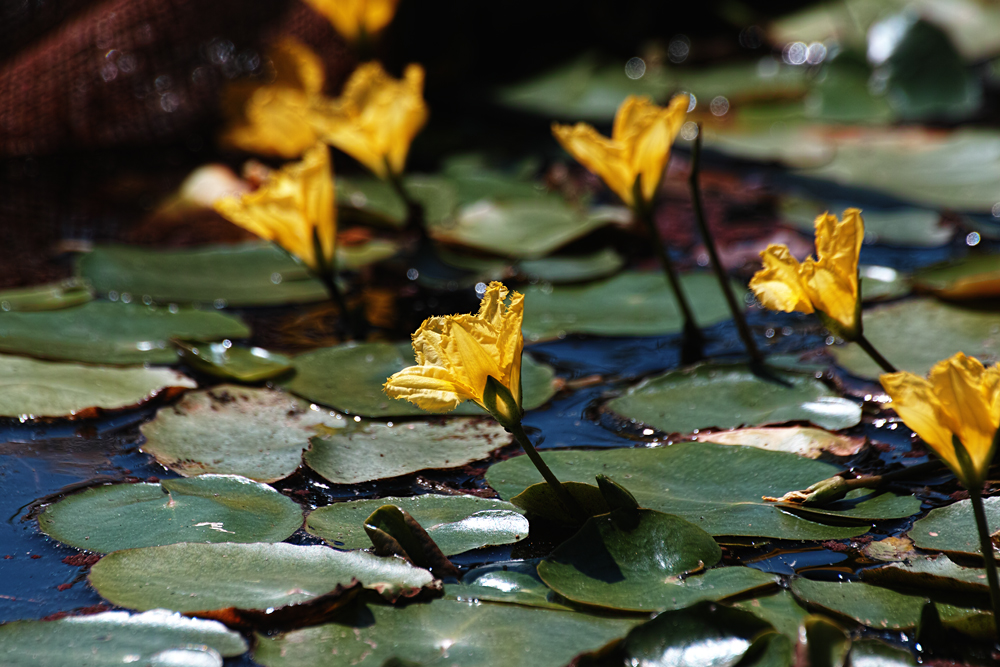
[[525, 228], [903, 226], [101, 332], [210, 508], [189, 577], [245, 364], [917, 333], [731, 395], [394, 532], [466, 635], [925, 573], [827, 644], [256, 433], [801, 440], [350, 378], [873, 606], [780, 610], [716, 487], [972, 622], [539, 500], [890, 549], [246, 274], [505, 585], [456, 523], [375, 450], [873, 653], [976, 277], [952, 528], [116, 638], [881, 283], [629, 304], [33, 388], [53, 296]]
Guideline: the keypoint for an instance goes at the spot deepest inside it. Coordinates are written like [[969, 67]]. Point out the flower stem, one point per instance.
[[874, 354], [713, 254], [330, 283], [986, 548], [414, 210], [693, 340], [570, 504]]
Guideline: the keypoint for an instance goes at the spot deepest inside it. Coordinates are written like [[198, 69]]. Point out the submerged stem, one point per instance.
[[570, 504], [986, 548], [875, 354], [699, 215]]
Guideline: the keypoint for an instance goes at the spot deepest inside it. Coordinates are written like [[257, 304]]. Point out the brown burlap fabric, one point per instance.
[[98, 74]]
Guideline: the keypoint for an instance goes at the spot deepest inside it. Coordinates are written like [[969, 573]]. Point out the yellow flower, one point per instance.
[[639, 145], [352, 17], [960, 398], [293, 208], [376, 118], [456, 354], [272, 119], [828, 284]]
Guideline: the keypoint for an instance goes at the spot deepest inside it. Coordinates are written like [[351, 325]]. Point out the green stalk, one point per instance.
[[569, 503], [874, 354], [986, 548], [414, 209], [693, 340], [699, 215], [327, 274]]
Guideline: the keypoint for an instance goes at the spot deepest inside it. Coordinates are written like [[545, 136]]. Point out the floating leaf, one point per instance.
[[716, 487], [526, 228], [456, 523], [925, 573], [890, 549], [53, 296], [801, 440], [827, 644], [190, 578], [917, 333], [731, 395], [376, 450], [869, 605], [952, 528], [555, 269], [873, 653], [901, 226], [210, 508], [101, 332], [972, 278], [245, 364], [539, 500], [51, 389], [629, 304], [973, 622], [256, 433], [881, 283], [860, 504], [350, 378], [115, 638], [505, 584], [394, 532], [499, 635], [246, 274], [780, 610], [376, 199]]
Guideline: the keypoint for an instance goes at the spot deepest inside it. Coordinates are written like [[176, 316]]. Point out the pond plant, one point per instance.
[[708, 479]]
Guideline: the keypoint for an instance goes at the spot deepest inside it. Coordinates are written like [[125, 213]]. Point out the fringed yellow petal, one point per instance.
[[600, 155], [352, 17], [778, 286], [428, 387]]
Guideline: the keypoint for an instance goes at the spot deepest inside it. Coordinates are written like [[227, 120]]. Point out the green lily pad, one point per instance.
[[377, 450], [556, 269], [780, 610], [873, 606], [952, 528], [502, 585], [716, 487], [917, 333], [622, 559], [629, 304], [881, 283], [101, 332], [30, 388], [975, 277], [862, 505], [245, 364], [905, 226], [54, 296], [376, 200], [115, 638], [256, 433], [350, 378], [930, 573], [827, 643], [463, 634], [456, 523], [523, 228], [873, 653], [210, 508], [731, 395], [973, 622], [188, 577], [801, 440], [246, 274]]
